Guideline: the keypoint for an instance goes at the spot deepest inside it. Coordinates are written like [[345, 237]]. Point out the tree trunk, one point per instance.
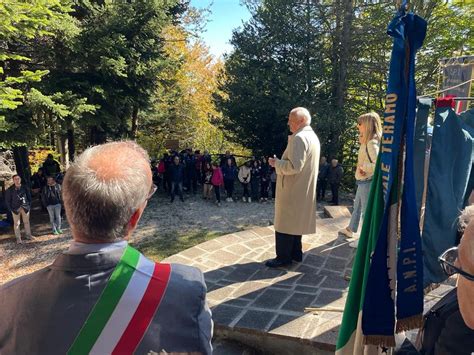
[[63, 151], [97, 135], [134, 130], [345, 50], [309, 81], [336, 42], [71, 144], [22, 163], [344, 12]]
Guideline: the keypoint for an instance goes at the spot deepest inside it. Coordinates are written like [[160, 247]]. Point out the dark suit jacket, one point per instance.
[[43, 312]]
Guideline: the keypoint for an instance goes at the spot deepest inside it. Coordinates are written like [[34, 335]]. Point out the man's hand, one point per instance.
[[272, 161], [362, 172]]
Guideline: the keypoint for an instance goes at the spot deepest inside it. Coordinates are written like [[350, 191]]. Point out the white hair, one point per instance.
[[99, 207], [466, 217], [302, 113]]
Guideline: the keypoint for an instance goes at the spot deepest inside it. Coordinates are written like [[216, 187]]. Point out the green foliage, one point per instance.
[[183, 106], [38, 155], [331, 57], [160, 246], [21, 22], [119, 56]]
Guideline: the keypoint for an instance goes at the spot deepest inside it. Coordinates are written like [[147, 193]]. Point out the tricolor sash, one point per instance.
[[121, 316]]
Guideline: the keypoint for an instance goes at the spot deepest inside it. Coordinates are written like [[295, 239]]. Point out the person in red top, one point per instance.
[[217, 181]]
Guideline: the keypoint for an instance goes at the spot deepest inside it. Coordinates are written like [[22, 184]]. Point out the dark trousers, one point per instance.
[[246, 190], [274, 188], [229, 187], [254, 189], [166, 182], [217, 190], [194, 182], [321, 189], [264, 189], [176, 188], [288, 247], [335, 193]]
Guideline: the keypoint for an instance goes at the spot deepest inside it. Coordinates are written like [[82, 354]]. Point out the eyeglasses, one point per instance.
[[447, 261], [152, 191]]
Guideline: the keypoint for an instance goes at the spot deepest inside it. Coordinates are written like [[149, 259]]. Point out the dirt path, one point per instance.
[[164, 229]]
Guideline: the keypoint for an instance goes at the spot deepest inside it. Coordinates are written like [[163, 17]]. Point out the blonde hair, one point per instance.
[[372, 126]]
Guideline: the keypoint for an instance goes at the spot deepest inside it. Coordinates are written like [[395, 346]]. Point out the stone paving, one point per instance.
[[247, 297], [264, 308]]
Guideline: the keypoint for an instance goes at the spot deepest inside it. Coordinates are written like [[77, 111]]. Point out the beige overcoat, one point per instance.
[[297, 173]]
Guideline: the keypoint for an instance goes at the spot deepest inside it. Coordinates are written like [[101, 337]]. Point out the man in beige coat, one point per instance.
[[295, 204]]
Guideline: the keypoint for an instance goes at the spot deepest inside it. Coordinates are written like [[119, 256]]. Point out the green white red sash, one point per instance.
[[125, 309]]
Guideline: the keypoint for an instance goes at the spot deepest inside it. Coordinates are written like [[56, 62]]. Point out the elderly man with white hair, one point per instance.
[[102, 296], [449, 325], [460, 260], [295, 204]]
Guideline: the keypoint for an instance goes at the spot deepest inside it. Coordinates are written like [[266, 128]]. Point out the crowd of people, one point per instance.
[[46, 185], [188, 170], [122, 300]]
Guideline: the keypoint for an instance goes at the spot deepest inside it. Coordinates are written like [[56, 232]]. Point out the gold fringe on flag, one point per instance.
[[413, 322], [383, 341]]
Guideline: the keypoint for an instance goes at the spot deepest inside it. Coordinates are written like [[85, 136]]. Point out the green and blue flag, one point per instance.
[[386, 292]]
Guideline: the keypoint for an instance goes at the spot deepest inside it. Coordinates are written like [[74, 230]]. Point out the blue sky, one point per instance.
[[226, 15]]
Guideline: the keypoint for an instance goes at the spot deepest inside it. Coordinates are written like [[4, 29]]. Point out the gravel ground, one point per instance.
[[161, 218], [163, 224]]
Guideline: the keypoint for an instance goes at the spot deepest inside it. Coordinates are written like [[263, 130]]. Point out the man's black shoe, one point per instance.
[[298, 259], [276, 263]]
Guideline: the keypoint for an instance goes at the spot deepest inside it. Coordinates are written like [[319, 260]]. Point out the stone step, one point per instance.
[[337, 211]]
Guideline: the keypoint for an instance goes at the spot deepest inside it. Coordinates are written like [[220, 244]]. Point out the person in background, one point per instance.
[[335, 177], [206, 158], [217, 181], [18, 201], [185, 161], [60, 177], [52, 199], [207, 184], [244, 178], [168, 160], [370, 134], [226, 157], [161, 170], [198, 166], [38, 181], [191, 171], [273, 180], [150, 307], [229, 171], [322, 179], [255, 179], [50, 166], [265, 179], [177, 178]]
